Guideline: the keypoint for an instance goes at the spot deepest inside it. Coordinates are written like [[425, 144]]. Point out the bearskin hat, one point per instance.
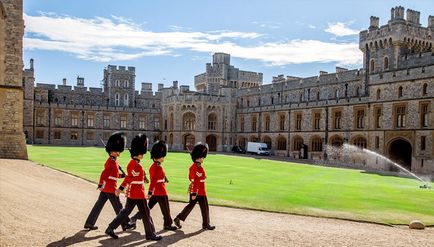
[[116, 142], [159, 150], [200, 150], [139, 145]]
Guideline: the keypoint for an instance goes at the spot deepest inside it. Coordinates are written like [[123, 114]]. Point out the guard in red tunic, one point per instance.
[[197, 191], [107, 182], [135, 192], [157, 188]]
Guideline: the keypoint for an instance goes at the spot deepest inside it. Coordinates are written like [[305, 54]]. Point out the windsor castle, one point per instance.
[[386, 106]]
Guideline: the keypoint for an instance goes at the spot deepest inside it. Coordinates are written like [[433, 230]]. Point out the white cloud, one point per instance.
[[117, 39], [341, 29], [311, 26]]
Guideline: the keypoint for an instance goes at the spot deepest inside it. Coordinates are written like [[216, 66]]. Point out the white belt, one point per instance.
[[161, 181], [137, 182], [202, 181], [112, 178]]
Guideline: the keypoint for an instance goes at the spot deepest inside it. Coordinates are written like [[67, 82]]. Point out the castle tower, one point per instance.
[[29, 102], [383, 46], [119, 85], [12, 141]]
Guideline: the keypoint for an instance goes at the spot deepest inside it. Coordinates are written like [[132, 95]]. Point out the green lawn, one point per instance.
[[271, 185]]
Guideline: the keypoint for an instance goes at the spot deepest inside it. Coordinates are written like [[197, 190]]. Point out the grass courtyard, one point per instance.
[[276, 186]]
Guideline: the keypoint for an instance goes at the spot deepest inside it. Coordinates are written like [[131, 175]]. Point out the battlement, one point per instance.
[[113, 68]]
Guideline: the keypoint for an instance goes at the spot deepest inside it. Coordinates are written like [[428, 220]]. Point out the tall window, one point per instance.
[[372, 66], [377, 142], [74, 119], [189, 121], [126, 83], [297, 143], [142, 122], [422, 143], [212, 121], [106, 121], [124, 121], [242, 124], [281, 122], [316, 144], [424, 89], [386, 63], [281, 143], [254, 123], [171, 123], [378, 94], [360, 142], [126, 100], [337, 119], [298, 119], [360, 119], [90, 120], [316, 120], [117, 83], [400, 92], [400, 116], [377, 120], [337, 93], [267, 123], [424, 115], [58, 120], [116, 99], [157, 122], [40, 118]]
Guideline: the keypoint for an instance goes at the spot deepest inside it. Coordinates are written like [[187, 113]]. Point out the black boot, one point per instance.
[[111, 233], [208, 227], [90, 228], [177, 222], [154, 237], [170, 228], [129, 225]]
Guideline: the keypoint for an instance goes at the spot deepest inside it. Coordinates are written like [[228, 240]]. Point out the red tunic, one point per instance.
[[197, 178], [157, 187], [134, 180], [109, 175]]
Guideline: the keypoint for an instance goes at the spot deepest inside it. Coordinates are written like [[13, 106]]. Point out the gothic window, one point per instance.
[[116, 99], [357, 92], [400, 92], [281, 143], [336, 141], [377, 142], [126, 100], [272, 100], [424, 115], [90, 120], [360, 119], [400, 116], [171, 123], [254, 120], [267, 123], [157, 122], [58, 119], [372, 66], [337, 119], [106, 121], [117, 83], [212, 121], [267, 140], [242, 124], [337, 93], [316, 120], [189, 121], [386, 63], [142, 122], [297, 143], [360, 142], [424, 89], [126, 83], [74, 119], [281, 122], [378, 94], [422, 143], [317, 95], [124, 121], [377, 112], [316, 144], [298, 119]]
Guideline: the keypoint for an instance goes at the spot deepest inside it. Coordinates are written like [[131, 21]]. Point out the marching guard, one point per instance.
[[197, 191], [108, 181], [135, 192]]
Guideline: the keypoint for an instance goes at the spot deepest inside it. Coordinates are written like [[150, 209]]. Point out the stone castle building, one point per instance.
[[12, 141], [386, 106]]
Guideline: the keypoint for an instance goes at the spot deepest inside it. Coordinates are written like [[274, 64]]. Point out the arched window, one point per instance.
[[118, 83], [254, 120], [424, 89], [336, 141], [242, 124], [357, 92], [372, 66], [267, 140], [242, 142], [360, 142], [337, 93], [116, 99], [386, 63], [126, 100], [281, 143], [317, 95], [126, 83], [297, 142], [301, 97], [267, 123], [316, 144], [400, 92], [189, 121], [378, 94], [212, 121], [281, 122], [171, 121]]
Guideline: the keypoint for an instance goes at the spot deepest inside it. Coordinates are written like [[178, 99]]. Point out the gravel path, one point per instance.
[[44, 207]]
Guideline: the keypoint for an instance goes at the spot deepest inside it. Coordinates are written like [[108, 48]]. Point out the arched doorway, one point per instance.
[[189, 141], [211, 140], [400, 152]]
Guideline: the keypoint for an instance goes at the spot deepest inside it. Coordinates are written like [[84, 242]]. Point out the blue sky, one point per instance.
[[172, 40]]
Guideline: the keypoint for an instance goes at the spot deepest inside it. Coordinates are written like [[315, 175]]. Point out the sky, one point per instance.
[[173, 40]]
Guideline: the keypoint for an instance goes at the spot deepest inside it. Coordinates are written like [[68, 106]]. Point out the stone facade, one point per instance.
[[386, 106], [12, 141]]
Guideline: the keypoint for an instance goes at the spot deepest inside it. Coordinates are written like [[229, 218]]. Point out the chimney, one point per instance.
[[64, 81], [160, 86], [31, 64], [375, 22]]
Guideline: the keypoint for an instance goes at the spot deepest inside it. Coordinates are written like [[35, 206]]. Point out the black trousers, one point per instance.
[[204, 209], [143, 210], [163, 201], [99, 204]]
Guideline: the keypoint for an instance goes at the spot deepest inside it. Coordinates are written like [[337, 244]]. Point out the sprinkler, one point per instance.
[[425, 186]]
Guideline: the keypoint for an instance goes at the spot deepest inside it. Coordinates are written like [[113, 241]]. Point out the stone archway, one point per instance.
[[400, 151], [211, 140], [189, 141]]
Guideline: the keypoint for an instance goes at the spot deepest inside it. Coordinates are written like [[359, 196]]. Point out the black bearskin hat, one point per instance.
[[199, 151], [139, 145], [116, 142], [159, 150]]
